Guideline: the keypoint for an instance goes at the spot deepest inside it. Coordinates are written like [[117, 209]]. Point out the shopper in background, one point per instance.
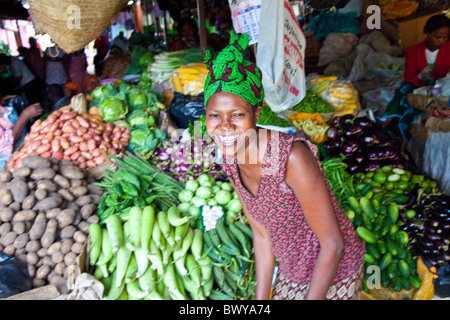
[[57, 72], [284, 193], [13, 126], [188, 36], [34, 59], [120, 42], [23, 79], [102, 47], [77, 65], [429, 60], [57, 97]]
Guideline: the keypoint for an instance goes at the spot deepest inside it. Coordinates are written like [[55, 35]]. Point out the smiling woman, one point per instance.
[[283, 190]]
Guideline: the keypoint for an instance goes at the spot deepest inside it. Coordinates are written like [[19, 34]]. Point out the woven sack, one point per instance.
[[72, 24]]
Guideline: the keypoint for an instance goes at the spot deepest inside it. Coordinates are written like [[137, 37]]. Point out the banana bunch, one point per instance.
[[229, 246], [150, 255], [189, 78], [319, 83]]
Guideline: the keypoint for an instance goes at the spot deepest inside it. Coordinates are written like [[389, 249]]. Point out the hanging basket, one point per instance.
[[72, 24]]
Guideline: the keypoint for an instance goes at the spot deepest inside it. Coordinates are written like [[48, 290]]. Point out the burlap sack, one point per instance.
[[72, 24]]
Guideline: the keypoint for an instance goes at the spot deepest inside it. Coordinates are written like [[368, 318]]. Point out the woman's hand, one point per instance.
[[32, 111]]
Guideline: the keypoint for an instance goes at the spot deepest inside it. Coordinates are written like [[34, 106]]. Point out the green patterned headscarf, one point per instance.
[[230, 72]]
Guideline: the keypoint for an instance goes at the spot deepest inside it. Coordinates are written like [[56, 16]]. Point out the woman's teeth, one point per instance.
[[228, 140]]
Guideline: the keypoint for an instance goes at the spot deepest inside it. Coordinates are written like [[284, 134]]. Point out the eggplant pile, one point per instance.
[[429, 228], [358, 141]]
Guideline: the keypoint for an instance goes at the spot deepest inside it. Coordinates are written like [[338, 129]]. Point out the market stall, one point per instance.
[[122, 191]]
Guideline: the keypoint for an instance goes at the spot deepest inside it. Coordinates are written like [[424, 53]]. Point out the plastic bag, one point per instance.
[[186, 108], [426, 276], [14, 277], [437, 159], [280, 56], [442, 282], [335, 46], [189, 79]]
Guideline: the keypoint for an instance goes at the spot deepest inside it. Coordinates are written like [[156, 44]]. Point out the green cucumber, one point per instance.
[[385, 261], [393, 211], [403, 267], [392, 271], [366, 208], [365, 235]]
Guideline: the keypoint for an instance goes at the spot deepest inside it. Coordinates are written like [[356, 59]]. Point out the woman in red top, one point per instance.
[[283, 190], [429, 60]]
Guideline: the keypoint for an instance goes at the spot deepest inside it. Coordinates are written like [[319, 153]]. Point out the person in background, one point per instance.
[[57, 97], [188, 36], [13, 127], [284, 193], [70, 89], [425, 63], [120, 42], [22, 76], [102, 46], [57, 72], [77, 68], [429, 60], [34, 58]]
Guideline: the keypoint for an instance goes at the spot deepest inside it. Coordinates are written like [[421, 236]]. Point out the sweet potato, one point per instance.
[[79, 236], [5, 175], [32, 258], [5, 228], [46, 185], [43, 271], [67, 232], [8, 239]]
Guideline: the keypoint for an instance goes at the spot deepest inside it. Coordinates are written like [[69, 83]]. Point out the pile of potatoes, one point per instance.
[[46, 207], [65, 134]]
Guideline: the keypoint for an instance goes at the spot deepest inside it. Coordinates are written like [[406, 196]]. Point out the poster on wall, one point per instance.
[[245, 15]]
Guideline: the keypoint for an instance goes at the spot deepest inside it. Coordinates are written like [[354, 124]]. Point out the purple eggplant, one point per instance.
[[364, 122], [369, 139], [350, 146], [385, 143], [333, 133], [371, 166], [334, 122], [346, 119], [352, 130], [352, 165]]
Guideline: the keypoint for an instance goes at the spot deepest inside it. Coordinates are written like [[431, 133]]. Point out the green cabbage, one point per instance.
[[136, 98], [112, 108], [102, 91], [143, 140], [141, 117]]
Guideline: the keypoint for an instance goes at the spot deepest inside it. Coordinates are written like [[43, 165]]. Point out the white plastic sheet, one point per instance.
[[436, 159], [280, 55]]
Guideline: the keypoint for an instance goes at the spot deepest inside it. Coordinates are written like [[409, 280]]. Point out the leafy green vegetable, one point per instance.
[[268, 117], [112, 108], [108, 89], [312, 103], [144, 140], [141, 117], [136, 98]]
